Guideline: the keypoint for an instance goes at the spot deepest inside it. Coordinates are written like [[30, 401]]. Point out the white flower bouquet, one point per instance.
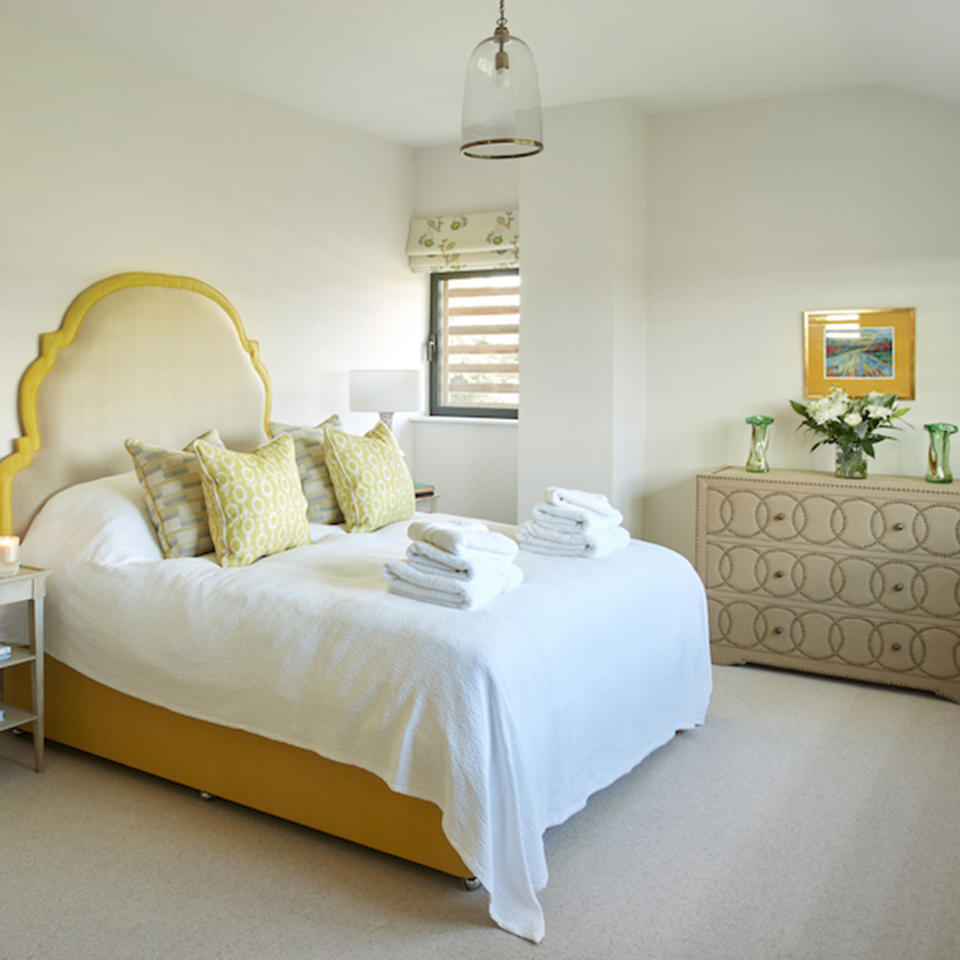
[[854, 425]]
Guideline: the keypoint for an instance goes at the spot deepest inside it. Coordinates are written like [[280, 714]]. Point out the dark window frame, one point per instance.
[[434, 348]]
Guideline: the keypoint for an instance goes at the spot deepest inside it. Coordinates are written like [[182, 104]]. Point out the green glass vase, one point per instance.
[[851, 462], [939, 458], [757, 460]]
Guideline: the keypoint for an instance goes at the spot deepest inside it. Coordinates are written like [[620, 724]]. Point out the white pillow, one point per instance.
[[102, 520]]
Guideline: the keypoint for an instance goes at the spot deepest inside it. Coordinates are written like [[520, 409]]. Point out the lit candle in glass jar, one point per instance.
[[9, 556]]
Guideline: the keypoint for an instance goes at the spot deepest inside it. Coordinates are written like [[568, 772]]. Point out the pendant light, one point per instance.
[[501, 99]]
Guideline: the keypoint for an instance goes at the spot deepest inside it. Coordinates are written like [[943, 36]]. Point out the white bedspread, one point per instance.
[[507, 718]]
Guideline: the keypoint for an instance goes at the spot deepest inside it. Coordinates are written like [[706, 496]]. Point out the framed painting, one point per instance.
[[860, 351]]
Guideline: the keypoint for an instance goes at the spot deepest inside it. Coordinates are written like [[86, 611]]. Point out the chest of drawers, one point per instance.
[[851, 578]]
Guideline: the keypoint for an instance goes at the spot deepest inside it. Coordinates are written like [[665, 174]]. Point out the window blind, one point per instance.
[[474, 241], [478, 326]]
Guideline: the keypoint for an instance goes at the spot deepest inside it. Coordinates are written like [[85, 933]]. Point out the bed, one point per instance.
[[299, 686]]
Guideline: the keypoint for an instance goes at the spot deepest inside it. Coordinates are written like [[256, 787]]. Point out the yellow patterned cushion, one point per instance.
[[255, 504], [371, 479], [311, 462], [171, 486]]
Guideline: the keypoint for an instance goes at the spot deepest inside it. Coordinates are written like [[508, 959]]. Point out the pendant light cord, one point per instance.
[[502, 19]]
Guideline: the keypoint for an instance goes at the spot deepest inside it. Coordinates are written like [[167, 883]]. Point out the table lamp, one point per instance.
[[384, 392]]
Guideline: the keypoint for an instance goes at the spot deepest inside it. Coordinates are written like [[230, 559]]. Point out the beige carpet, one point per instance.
[[809, 818]]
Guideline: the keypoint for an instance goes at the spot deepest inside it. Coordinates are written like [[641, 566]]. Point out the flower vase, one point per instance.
[[939, 459], [851, 463], [757, 460]]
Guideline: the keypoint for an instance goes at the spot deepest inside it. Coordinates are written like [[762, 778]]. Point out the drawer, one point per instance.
[[894, 585], [838, 520], [851, 640]]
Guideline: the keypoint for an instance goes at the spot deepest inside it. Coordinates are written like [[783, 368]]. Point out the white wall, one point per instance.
[[109, 165], [759, 212], [582, 334], [471, 462]]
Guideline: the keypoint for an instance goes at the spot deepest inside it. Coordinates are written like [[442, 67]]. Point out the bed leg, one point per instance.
[[206, 796], [470, 883]]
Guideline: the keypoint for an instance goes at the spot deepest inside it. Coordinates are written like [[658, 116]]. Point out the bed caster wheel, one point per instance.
[[471, 883], [206, 796]]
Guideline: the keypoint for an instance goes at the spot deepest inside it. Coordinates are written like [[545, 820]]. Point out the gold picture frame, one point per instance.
[[860, 351]]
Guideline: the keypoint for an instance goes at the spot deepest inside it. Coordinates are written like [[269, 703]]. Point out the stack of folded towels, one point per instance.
[[457, 563], [573, 523]]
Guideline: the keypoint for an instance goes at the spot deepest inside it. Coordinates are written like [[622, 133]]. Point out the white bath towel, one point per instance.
[[595, 543], [564, 497], [430, 559], [408, 581], [462, 539], [572, 519]]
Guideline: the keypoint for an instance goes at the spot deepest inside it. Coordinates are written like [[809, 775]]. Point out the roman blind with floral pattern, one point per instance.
[[464, 241]]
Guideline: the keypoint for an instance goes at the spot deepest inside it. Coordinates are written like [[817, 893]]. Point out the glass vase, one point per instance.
[[851, 463], [757, 460], [939, 458]]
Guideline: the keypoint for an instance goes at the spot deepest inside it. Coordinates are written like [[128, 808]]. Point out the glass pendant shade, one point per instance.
[[501, 101]]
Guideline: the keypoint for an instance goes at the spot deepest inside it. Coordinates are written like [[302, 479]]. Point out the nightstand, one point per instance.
[[426, 497], [28, 584]]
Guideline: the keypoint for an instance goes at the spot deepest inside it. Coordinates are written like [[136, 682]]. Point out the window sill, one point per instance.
[[473, 421]]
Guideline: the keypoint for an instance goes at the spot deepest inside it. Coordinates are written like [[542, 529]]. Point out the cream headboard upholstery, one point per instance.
[[159, 357]]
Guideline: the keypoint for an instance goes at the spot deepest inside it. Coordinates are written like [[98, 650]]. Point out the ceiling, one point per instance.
[[394, 68]]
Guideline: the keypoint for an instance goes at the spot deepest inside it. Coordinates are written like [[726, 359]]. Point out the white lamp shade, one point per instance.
[[381, 391], [501, 105]]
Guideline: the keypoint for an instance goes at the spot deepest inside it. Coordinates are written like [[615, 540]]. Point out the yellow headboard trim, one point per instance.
[[50, 343]]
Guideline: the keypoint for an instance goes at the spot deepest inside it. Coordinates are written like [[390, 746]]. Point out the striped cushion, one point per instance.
[[311, 463], [171, 485]]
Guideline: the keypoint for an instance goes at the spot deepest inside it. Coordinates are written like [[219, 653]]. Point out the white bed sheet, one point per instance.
[[508, 717]]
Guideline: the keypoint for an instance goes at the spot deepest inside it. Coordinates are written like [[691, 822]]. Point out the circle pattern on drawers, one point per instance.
[[859, 581], [897, 526], [865, 642], [856, 579]]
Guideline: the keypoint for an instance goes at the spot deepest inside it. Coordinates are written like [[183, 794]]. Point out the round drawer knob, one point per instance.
[[778, 629], [779, 574], [897, 587], [898, 526], [895, 646]]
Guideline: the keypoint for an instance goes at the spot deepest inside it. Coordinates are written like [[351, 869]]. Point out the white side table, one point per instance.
[[29, 584]]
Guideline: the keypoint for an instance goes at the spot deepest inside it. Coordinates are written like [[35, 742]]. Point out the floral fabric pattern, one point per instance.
[[475, 241]]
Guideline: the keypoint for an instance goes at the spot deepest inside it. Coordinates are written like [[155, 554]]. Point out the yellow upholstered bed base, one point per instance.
[[274, 777], [125, 342]]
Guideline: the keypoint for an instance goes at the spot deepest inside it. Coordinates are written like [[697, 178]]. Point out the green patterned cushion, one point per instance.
[[255, 503], [371, 479], [311, 462], [171, 486]]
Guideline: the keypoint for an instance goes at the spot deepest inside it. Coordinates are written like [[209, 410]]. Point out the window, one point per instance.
[[474, 346]]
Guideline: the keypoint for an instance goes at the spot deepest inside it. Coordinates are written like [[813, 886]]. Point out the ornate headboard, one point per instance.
[[151, 355]]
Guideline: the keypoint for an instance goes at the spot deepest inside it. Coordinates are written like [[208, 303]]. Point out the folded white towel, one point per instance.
[[404, 579], [461, 539], [564, 497], [425, 556], [593, 543], [574, 519]]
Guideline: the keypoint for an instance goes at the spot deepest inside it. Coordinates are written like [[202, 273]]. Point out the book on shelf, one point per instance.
[[1, 714], [5, 650], [423, 490]]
